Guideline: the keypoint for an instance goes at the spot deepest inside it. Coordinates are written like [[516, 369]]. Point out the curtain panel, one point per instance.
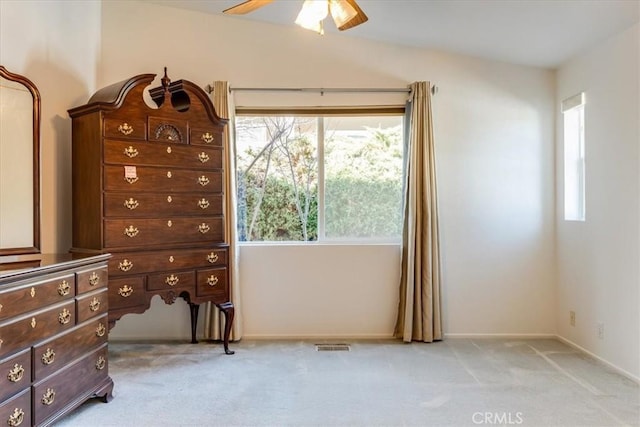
[[419, 311], [214, 319]]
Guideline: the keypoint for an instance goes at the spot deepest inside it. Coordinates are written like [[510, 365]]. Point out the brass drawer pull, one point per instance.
[[94, 279], [48, 397], [169, 199], [131, 204], [0, 308], [204, 228], [130, 152], [169, 174], [131, 180], [203, 203], [32, 292], [125, 129], [131, 231], [48, 357], [169, 223], [16, 373], [125, 291], [33, 323], [203, 180], [203, 157], [101, 363], [125, 265], [172, 280], [168, 150], [207, 137], [64, 288], [94, 305], [100, 330], [212, 280], [171, 258], [64, 317], [16, 418], [212, 257]]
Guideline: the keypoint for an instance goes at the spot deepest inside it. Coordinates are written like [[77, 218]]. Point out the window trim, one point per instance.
[[320, 113], [575, 103], [391, 110]]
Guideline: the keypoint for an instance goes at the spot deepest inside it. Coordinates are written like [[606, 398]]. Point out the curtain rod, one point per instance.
[[321, 91]]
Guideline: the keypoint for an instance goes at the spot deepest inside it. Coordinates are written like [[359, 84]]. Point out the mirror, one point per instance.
[[19, 165]]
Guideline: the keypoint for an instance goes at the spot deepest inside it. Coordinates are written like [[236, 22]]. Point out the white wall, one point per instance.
[[494, 136], [56, 45], [494, 130], [598, 260]]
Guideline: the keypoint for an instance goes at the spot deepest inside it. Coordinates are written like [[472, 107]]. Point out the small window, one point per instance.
[[574, 158], [319, 177]]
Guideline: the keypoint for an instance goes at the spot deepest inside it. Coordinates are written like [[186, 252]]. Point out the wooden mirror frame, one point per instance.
[[35, 248]]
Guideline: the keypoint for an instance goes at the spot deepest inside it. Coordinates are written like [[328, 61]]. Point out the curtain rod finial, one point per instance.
[[209, 89], [434, 89]]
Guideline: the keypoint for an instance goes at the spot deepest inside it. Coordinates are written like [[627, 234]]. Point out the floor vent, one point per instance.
[[333, 347]]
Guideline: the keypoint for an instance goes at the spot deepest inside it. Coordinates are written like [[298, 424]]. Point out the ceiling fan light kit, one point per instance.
[[314, 12], [345, 13]]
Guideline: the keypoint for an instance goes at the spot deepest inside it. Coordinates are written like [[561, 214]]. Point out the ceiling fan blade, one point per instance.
[[246, 7], [360, 17]]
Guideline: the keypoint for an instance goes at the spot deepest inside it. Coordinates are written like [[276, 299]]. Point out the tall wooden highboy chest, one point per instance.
[[148, 180]]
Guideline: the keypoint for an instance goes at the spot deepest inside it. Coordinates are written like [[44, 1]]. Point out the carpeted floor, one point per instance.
[[456, 382]]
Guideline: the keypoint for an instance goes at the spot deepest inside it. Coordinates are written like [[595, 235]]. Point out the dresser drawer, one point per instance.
[[92, 305], [171, 280], [60, 389], [146, 262], [162, 154], [15, 374], [143, 232], [212, 282], [17, 410], [134, 204], [129, 128], [91, 279], [127, 292], [206, 136], [35, 326], [53, 354], [166, 179], [25, 298]]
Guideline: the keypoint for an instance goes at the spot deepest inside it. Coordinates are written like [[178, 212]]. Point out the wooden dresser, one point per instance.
[[148, 188], [53, 337]]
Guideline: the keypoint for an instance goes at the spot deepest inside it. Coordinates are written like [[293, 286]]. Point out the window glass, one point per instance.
[[303, 178], [363, 177], [574, 164]]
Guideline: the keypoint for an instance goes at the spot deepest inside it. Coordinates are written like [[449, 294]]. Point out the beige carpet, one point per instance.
[[456, 382]]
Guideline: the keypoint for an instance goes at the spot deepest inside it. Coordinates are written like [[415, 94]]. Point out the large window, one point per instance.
[[574, 164], [321, 177]]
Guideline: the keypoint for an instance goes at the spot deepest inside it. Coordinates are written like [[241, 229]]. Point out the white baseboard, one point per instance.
[[507, 335], [333, 337], [600, 359]]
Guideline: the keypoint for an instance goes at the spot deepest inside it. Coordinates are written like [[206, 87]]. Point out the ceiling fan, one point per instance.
[[345, 13]]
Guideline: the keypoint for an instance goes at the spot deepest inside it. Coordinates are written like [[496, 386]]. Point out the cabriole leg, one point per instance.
[[229, 311], [194, 321]]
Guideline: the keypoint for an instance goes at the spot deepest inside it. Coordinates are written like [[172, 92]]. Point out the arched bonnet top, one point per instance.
[[185, 98]]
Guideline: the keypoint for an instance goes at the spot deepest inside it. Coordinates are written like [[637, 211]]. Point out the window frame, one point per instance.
[[574, 158], [320, 113]]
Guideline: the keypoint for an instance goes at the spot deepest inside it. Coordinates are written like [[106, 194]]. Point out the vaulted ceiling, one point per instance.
[[541, 33]]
